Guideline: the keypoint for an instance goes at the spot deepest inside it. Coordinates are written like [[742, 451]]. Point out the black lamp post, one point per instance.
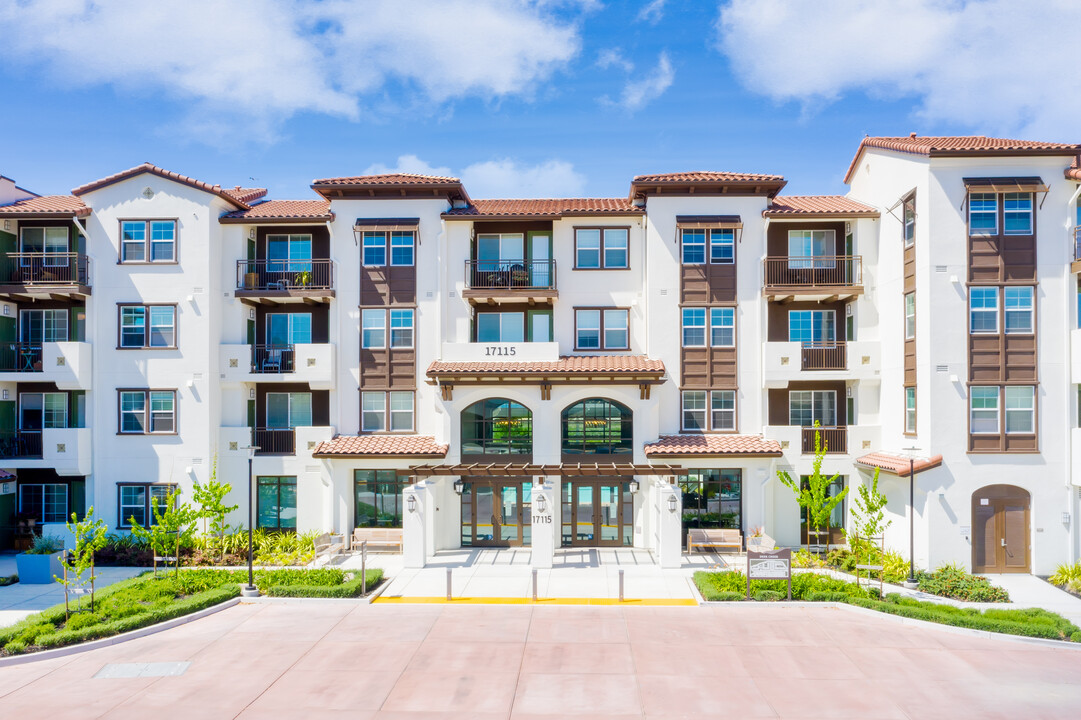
[[911, 515], [250, 589]]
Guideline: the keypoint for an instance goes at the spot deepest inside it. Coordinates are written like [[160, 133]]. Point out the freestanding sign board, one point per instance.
[[769, 565]]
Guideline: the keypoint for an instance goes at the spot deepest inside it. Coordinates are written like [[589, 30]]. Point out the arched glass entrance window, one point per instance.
[[497, 426], [597, 427]]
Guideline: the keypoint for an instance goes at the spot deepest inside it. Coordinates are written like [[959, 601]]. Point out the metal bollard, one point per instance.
[[448, 584], [621, 584], [364, 568], [534, 584]]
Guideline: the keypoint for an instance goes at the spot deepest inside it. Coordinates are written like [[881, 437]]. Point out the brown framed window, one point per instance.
[[146, 412], [909, 214], [374, 324], [396, 248], [705, 410], [601, 248], [146, 326], [910, 410], [601, 329], [148, 241], [383, 411], [136, 502]]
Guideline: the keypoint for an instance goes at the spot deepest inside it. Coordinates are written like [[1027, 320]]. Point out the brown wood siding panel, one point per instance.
[[1020, 443], [910, 269], [1020, 358], [985, 443], [985, 358], [383, 369], [388, 285], [910, 362], [984, 540], [777, 317], [708, 368], [777, 401], [708, 284], [1016, 535]]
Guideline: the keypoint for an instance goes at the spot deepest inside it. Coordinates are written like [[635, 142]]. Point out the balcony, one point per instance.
[[67, 364], [311, 363], [276, 281], [38, 274], [67, 450], [818, 277], [840, 441], [1076, 266], [785, 362], [497, 281], [833, 439], [276, 445]]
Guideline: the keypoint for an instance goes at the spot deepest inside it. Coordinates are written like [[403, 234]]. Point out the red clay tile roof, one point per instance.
[[680, 445], [46, 206], [1074, 171], [281, 211], [546, 208], [945, 146], [389, 179], [405, 182], [245, 195], [381, 445], [160, 172], [827, 206], [644, 185], [897, 464], [567, 365]]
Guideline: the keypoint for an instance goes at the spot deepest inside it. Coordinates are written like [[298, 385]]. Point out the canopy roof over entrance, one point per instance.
[[898, 463], [564, 469]]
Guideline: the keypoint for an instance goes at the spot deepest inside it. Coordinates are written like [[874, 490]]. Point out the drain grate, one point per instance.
[[136, 670]]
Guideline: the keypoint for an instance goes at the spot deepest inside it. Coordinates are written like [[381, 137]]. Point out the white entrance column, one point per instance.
[[543, 521], [414, 525], [670, 530]]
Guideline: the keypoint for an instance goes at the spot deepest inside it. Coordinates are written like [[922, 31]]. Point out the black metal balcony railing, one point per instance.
[[20, 357], [834, 439], [823, 355], [275, 441], [510, 274], [20, 444], [272, 359], [285, 275], [813, 271], [49, 269]]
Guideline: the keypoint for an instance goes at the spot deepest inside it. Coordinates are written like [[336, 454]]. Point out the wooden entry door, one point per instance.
[[597, 513], [1000, 530], [495, 513]]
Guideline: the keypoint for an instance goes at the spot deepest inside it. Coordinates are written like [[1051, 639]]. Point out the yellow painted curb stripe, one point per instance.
[[642, 602]]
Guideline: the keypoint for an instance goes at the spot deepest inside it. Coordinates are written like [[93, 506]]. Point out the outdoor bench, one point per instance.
[[390, 538], [714, 538]]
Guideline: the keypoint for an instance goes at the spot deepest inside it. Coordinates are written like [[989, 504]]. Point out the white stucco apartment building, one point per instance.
[[559, 372]]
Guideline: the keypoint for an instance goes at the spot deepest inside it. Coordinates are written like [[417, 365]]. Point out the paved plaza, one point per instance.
[[315, 659]]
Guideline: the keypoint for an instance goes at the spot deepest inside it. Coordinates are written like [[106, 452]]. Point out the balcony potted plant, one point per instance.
[[41, 563], [303, 278]]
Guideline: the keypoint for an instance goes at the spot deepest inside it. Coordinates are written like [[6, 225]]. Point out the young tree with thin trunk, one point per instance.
[[813, 496]]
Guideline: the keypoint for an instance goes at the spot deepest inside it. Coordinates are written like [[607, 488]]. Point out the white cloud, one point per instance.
[[613, 57], [639, 92], [509, 179], [652, 12], [408, 164], [261, 61], [996, 66]]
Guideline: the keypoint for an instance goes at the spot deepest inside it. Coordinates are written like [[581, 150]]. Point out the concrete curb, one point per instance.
[[868, 612], [116, 639]]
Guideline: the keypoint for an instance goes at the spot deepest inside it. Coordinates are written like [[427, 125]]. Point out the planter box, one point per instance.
[[38, 569]]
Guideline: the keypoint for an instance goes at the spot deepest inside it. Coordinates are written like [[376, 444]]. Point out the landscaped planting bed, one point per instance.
[[1030, 622], [149, 599]]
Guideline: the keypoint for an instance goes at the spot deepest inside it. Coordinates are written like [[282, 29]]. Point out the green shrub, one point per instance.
[[348, 589], [894, 567], [804, 559], [15, 647], [1067, 576], [842, 559], [954, 582], [8, 580], [804, 584], [727, 597], [83, 620], [769, 596], [1076, 637], [45, 545]]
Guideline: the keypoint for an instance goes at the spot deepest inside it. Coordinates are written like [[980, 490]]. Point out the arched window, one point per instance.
[[497, 426], [597, 426]]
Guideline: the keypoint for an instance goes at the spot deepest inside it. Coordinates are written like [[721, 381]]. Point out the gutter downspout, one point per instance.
[[1071, 494]]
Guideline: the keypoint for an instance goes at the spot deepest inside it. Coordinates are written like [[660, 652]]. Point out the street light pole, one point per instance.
[[250, 590], [911, 580]]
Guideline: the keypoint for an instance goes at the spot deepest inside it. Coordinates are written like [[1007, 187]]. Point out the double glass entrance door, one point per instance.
[[597, 513], [496, 513]]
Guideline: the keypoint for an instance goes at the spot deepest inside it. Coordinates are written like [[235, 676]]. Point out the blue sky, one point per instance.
[[520, 98]]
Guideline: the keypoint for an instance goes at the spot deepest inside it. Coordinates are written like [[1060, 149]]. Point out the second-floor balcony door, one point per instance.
[[496, 251], [541, 251], [38, 326], [289, 254], [806, 407], [812, 327], [809, 249], [500, 327], [43, 410], [288, 410], [51, 242], [288, 329]]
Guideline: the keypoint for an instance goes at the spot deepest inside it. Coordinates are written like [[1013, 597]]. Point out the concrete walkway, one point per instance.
[[19, 600], [1030, 591], [577, 573], [318, 660]]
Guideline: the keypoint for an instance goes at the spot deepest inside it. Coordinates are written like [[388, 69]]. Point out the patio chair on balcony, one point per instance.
[[272, 361]]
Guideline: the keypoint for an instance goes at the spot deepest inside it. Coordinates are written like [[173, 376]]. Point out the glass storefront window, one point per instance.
[[277, 503], [377, 496], [597, 426], [497, 426], [712, 499]]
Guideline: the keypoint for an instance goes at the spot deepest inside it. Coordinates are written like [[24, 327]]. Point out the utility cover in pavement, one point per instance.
[[134, 670]]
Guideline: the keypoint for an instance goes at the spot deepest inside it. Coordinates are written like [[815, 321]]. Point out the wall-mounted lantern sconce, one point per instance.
[[671, 503], [633, 486], [542, 505], [458, 486], [411, 503]]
